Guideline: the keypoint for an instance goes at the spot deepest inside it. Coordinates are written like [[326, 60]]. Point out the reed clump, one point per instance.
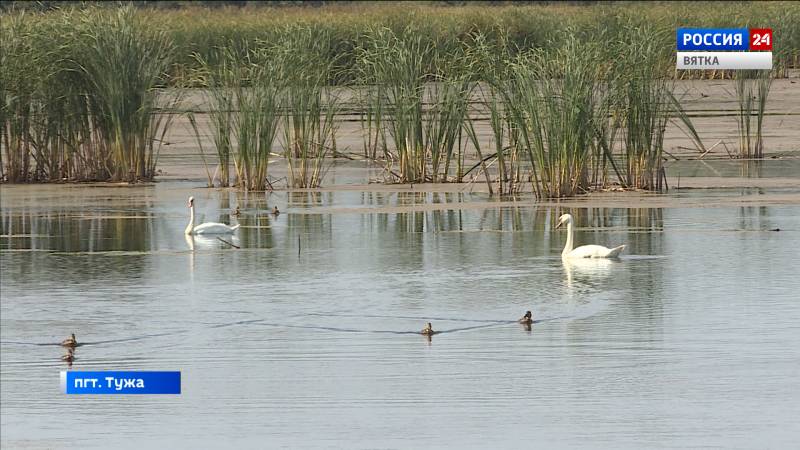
[[309, 128], [752, 90], [422, 120], [641, 94], [245, 89], [556, 104], [83, 107]]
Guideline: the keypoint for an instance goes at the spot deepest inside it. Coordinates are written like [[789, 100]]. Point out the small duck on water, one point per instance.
[[236, 212], [527, 319], [428, 330], [70, 341], [275, 210]]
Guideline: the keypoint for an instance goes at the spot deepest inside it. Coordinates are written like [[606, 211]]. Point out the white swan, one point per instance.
[[208, 227], [585, 251]]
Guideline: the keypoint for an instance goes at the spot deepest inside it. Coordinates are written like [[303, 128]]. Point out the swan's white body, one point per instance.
[[585, 251], [208, 227]]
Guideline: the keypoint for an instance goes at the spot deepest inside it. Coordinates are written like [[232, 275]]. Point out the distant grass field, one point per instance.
[[512, 28]]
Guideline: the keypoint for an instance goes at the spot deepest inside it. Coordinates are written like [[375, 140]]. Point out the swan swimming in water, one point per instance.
[[208, 227], [584, 251]]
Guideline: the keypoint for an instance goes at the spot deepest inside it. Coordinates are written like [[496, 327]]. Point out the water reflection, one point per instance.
[[751, 169], [587, 272]]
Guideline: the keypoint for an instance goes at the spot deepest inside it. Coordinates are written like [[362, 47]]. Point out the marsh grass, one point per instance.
[[309, 128], [221, 79], [641, 94], [245, 97], [67, 115], [395, 64], [555, 103], [124, 98], [523, 26], [420, 119], [565, 114], [752, 90]]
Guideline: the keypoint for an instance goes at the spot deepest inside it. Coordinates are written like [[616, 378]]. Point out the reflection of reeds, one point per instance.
[[752, 89], [63, 231]]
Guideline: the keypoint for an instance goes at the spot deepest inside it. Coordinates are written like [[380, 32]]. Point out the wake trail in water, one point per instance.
[[428, 318], [263, 322]]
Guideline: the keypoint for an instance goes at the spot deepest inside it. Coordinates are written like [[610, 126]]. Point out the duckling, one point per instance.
[[275, 210], [69, 357], [428, 330], [236, 212], [527, 319], [70, 341]]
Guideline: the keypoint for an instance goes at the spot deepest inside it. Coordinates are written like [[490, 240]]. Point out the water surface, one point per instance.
[[305, 336]]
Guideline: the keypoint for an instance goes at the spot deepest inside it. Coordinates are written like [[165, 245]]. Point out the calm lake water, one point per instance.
[[304, 337]]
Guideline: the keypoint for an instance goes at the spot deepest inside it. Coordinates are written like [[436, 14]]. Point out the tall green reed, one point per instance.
[[81, 97], [244, 93], [642, 105], [396, 66], [122, 66], [421, 113], [752, 90], [221, 79], [309, 128], [555, 102]]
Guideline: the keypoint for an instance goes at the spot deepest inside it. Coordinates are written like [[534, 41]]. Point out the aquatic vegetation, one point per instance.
[[245, 98], [564, 114], [752, 90], [396, 65], [555, 103], [309, 128], [422, 120], [66, 115], [641, 103], [202, 30]]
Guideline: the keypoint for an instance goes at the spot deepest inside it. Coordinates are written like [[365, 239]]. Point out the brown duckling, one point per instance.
[[70, 341], [275, 210], [527, 319], [428, 330], [236, 212]]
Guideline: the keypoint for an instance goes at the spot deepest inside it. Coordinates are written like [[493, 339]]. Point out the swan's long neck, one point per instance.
[[568, 247], [190, 227]]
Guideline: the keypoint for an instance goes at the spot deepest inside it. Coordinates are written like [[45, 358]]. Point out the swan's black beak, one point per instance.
[[558, 224]]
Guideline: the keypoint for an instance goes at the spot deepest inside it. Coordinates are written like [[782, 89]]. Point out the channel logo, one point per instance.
[[724, 48]]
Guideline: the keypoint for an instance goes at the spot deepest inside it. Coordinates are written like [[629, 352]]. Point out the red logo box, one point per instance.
[[761, 39]]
